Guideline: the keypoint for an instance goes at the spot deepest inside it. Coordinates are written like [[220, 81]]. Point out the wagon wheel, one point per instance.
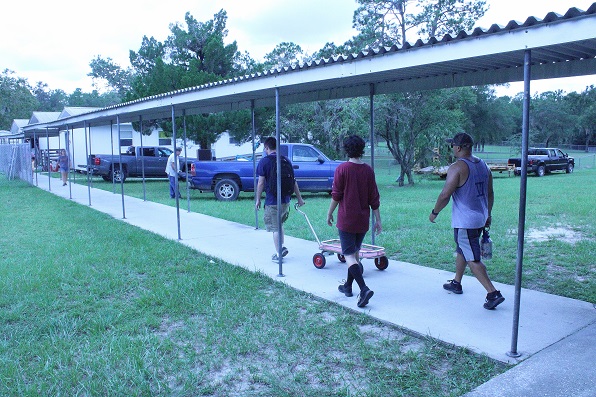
[[319, 260], [382, 263], [341, 258]]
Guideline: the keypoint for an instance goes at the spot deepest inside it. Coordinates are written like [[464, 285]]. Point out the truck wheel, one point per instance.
[[226, 190], [540, 171], [569, 168], [118, 177]]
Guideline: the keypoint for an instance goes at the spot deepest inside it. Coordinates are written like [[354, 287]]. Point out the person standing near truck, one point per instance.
[[470, 183], [355, 192], [264, 184], [172, 168]]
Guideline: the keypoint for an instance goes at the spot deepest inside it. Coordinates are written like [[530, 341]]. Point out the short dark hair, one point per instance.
[[354, 146], [271, 143], [178, 149], [462, 139]]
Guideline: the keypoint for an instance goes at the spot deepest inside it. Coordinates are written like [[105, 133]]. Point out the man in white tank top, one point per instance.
[[470, 183]]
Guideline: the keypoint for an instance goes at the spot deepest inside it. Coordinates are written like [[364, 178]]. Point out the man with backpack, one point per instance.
[[267, 172]]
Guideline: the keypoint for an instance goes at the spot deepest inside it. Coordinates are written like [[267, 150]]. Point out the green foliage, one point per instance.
[[441, 17], [413, 123], [283, 55], [387, 22], [201, 47], [114, 77], [16, 99]]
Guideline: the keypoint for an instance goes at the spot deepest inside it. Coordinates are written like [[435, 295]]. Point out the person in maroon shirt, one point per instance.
[[355, 192]]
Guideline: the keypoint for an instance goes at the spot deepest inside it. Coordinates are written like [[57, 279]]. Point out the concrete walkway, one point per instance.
[[556, 334]]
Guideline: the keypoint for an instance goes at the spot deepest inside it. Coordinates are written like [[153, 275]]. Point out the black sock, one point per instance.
[[354, 270], [349, 279]]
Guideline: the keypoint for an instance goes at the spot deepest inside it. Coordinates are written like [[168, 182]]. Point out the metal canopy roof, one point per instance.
[[561, 46]]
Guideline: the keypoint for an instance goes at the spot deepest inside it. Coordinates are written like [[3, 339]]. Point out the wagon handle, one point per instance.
[[309, 224]]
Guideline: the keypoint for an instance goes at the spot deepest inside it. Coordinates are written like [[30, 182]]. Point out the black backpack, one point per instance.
[[287, 176]]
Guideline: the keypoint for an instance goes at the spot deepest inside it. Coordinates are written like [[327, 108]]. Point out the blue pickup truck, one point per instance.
[[226, 179]]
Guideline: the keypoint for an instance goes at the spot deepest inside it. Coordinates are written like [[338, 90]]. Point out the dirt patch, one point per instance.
[[560, 233]]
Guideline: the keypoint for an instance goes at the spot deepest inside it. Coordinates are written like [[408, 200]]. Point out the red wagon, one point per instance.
[[330, 247]]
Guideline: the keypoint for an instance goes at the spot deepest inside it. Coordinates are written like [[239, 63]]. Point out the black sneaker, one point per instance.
[[347, 291], [453, 286], [284, 252], [364, 297], [493, 300]]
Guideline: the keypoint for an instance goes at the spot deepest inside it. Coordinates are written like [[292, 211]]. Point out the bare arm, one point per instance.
[[298, 195], [452, 182], [378, 227], [332, 207], [260, 188], [491, 199]]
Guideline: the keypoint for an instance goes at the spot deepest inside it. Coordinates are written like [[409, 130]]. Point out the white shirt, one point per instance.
[[169, 169]]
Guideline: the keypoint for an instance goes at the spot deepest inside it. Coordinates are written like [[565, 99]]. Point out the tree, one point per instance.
[[16, 99], [491, 119], [387, 22], [283, 55], [49, 100], [93, 99], [441, 17], [109, 76], [409, 123], [582, 107], [414, 123], [550, 118], [201, 47]]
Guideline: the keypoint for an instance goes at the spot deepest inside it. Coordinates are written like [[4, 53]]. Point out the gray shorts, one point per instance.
[[270, 216], [468, 243]]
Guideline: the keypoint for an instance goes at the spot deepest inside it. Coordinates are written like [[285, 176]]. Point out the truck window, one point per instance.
[[551, 153], [304, 153], [560, 153], [163, 152], [149, 151]]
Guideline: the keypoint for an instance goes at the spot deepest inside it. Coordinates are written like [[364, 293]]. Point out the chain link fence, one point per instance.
[[16, 162]]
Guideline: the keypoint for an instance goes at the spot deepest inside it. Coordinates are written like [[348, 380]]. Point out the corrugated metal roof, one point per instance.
[[70, 111], [17, 125], [561, 46], [43, 117]]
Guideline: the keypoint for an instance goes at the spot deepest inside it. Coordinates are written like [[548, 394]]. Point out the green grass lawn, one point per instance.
[[92, 306]]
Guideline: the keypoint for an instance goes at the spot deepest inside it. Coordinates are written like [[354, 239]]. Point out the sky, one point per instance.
[[54, 41]]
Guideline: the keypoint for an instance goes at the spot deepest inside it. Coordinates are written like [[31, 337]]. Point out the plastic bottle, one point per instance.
[[486, 245]]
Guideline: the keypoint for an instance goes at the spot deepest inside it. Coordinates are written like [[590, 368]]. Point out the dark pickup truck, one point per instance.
[[153, 158], [543, 161], [226, 179]]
